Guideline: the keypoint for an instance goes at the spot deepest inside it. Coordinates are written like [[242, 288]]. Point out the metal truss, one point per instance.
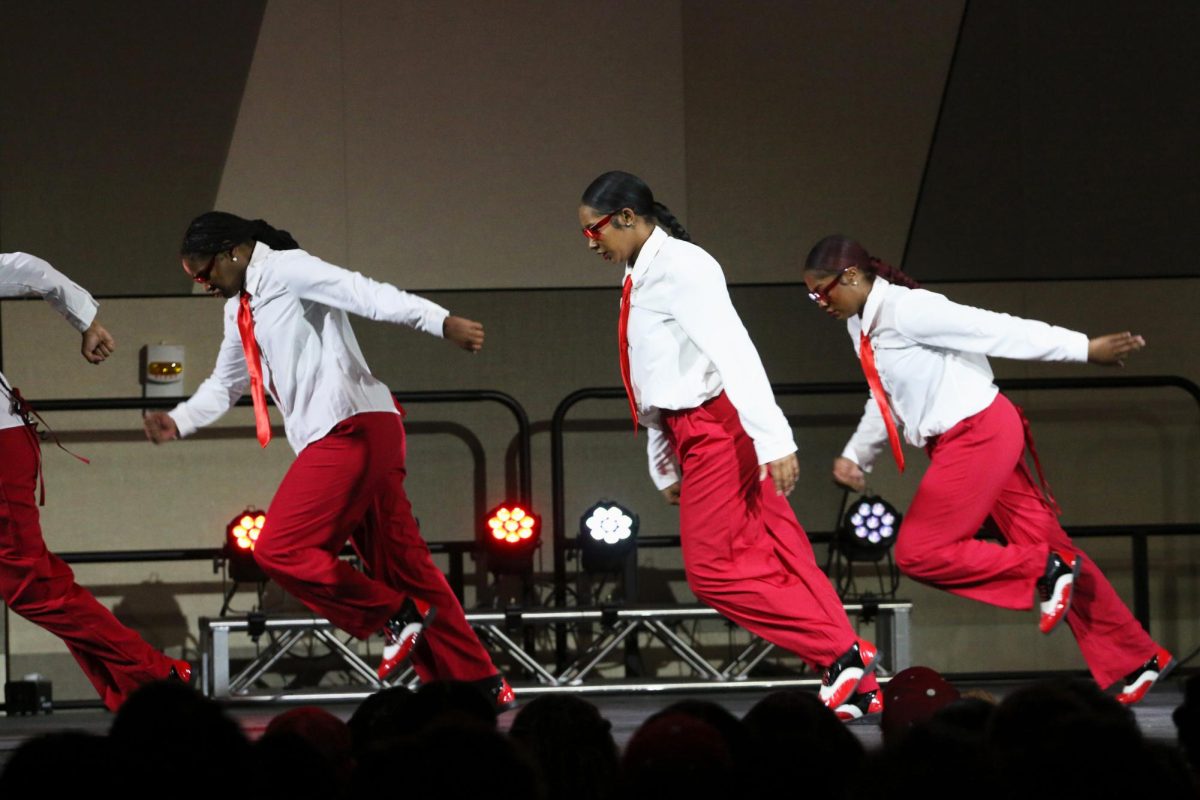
[[500, 630]]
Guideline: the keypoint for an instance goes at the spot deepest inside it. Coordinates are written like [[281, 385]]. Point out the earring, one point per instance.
[[234, 259]]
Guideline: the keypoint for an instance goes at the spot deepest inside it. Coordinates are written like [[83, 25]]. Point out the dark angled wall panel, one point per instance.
[[117, 118], [1068, 145], [805, 119]]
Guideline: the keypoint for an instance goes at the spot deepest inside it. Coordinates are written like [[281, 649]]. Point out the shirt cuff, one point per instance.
[[183, 420], [1078, 348], [433, 321], [851, 455], [666, 475], [773, 449], [86, 316]]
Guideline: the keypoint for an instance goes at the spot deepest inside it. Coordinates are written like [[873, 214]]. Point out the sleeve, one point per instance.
[[664, 468], [220, 390], [313, 279], [701, 305], [23, 275], [933, 319], [869, 438]]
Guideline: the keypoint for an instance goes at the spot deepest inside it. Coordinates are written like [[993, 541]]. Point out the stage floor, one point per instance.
[[625, 712]]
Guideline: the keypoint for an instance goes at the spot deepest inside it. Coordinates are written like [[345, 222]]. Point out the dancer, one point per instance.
[[719, 446], [34, 582], [925, 359], [287, 331]]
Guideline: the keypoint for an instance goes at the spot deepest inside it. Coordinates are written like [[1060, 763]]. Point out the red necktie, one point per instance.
[[623, 345], [262, 421], [867, 356]]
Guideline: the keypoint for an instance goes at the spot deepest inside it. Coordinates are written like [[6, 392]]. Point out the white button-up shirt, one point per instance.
[[931, 354], [311, 362], [23, 275], [687, 344]]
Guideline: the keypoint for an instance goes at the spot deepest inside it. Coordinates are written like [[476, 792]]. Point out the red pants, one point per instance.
[[40, 586], [978, 471], [350, 485], [743, 550]]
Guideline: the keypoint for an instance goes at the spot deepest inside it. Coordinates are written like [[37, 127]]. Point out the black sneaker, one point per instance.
[[842, 677], [1056, 587]]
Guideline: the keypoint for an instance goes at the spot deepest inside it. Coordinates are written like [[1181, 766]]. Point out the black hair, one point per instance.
[[218, 231], [839, 252], [616, 190]]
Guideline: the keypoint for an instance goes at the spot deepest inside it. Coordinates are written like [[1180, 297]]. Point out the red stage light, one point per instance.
[[512, 525], [510, 537], [241, 534]]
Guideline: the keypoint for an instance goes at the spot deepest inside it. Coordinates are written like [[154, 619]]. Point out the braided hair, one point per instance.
[[838, 252], [616, 190], [218, 231]]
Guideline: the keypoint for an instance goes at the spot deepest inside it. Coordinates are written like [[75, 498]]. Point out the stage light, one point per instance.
[[607, 535], [869, 529], [510, 536], [241, 535]]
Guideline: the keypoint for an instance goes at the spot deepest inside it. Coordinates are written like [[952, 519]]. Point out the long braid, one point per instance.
[[668, 220], [892, 274]]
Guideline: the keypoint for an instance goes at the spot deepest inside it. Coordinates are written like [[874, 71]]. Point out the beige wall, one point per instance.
[[435, 147], [1112, 457], [446, 145], [805, 119]]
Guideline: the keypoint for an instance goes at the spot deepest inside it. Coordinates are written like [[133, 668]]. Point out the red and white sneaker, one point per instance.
[[863, 704], [1140, 681], [401, 634], [842, 677], [1056, 587], [499, 691]]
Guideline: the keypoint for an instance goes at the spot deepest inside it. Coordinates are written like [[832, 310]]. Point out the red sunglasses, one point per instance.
[[202, 275], [593, 231], [821, 293]]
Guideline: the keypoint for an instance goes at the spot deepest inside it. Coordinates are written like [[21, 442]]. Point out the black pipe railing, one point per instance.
[[524, 435], [1138, 533], [456, 550]]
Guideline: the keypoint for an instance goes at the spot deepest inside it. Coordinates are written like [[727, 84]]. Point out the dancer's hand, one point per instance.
[[98, 343], [464, 332], [672, 493], [160, 427], [847, 473], [784, 471], [1112, 349]]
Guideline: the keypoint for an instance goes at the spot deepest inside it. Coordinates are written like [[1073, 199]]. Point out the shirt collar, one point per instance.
[[646, 255], [874, 300], [254, 268]]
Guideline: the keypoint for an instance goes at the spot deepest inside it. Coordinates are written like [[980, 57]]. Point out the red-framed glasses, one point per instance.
[[821, 293], [200, 276], [593, 231]]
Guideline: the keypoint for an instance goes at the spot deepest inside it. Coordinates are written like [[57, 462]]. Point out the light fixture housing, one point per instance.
[[241, 536], [869, 529], [607, 536], [510, 535]]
